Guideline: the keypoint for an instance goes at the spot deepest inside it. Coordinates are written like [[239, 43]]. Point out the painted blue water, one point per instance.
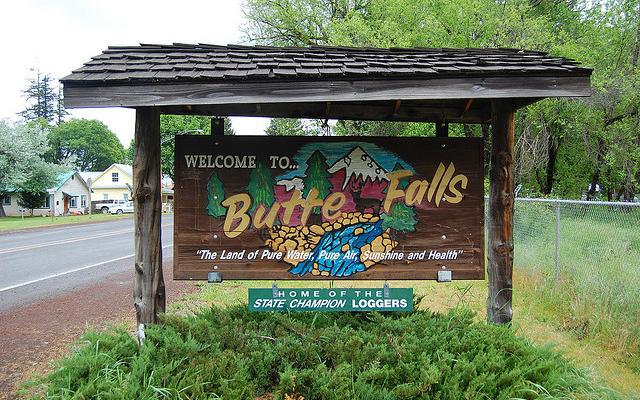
[[332, 242]]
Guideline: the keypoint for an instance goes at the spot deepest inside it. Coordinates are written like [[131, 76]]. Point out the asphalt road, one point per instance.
[[42, 263]]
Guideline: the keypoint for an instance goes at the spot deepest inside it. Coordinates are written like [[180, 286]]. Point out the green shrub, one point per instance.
[[233, 354]]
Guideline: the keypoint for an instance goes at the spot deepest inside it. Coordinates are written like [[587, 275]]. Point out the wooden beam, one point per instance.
[[148, 290], [442, 129], [284, 91], [372, 111], [217, 126], [467, 106], [396, 108], [501, 200]]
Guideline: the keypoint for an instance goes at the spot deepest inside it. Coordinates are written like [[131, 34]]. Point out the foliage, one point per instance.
[[564, 145], [87, 144], [172, 125], [215, 196], [401, 217], [260, 188], [234, 354], [45, 100], [317, 177], [31, 200], [22, 168], [286, 127]]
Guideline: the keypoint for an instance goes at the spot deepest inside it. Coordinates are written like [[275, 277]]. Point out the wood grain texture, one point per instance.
[[408, 111], [149, 289], [111, 95], [501, 199], [447, 227]]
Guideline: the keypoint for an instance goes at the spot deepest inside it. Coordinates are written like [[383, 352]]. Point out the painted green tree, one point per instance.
[[215, 196], [316, 176], [401, 217], [260, 188]]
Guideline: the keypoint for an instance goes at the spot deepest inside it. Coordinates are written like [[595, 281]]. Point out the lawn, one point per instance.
[[13, 223]]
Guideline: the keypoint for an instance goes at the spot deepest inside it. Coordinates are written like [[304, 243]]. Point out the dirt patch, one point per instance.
[[37, 334]]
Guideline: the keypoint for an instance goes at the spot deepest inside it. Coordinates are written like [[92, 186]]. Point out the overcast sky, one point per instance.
[[58, 36]]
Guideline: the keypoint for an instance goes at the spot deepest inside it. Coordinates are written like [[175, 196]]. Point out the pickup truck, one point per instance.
[[105, 206]]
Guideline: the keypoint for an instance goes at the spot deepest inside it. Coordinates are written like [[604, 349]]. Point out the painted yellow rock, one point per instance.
[[317, 229], [345, 247], [337, 226], [290, 244], [358, 231], [377, 246], [324, 273], [364, 249], [315, 272]]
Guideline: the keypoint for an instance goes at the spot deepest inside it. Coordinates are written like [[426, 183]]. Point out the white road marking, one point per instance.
[[65, 241], [69, 271]]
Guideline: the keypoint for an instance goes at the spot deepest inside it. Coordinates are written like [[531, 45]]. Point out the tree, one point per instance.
[[172, 125], [88, 144], [22, 168], [401, 217], [215, 196], [577, 144], [317, 177], [43, 98], [260, 186], [286, 127]]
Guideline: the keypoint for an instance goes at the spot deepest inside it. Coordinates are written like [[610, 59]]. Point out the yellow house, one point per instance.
[[114, 183]]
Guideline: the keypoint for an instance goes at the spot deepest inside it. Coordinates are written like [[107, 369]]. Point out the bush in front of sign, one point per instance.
[[234, 354], [231, 353]]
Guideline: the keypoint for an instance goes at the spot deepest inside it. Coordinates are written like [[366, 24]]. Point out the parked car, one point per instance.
[[121, 208], [106, 205]]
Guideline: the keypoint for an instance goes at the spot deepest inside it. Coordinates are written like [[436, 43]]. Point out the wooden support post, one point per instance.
[[148, 290], [442, 129], [500, 222], [217, 126]]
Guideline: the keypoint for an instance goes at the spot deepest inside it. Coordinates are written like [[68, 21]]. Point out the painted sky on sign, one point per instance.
[[335, 151]]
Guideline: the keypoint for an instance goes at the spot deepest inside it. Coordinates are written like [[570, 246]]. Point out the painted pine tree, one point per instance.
[[316, 176], [215, 196], [401, 217], [260, 188]]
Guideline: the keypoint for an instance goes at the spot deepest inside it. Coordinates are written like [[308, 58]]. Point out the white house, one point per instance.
[[70, 195]]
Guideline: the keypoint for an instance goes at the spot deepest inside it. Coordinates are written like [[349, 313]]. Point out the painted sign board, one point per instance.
[[259, 207], [338, 299]]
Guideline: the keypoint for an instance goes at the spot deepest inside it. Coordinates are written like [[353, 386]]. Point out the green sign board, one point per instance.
[[337, 299]]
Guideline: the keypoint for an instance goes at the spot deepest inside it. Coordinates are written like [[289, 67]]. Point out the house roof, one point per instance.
[[65, 176], [149, 63], [86, 175]]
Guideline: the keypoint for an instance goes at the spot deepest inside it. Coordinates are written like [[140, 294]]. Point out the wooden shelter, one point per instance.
[[478, 86]]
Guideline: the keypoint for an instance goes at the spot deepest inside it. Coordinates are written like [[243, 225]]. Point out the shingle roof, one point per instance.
[[211, 63]]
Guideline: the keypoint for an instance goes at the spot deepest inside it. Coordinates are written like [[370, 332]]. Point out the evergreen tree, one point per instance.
[[401, 217], [60, 110], [316, 176], [43, 99], [286, 127], [260, 188], [215, 196]]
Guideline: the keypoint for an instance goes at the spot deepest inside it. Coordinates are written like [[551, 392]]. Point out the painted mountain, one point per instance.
[[357, 169]]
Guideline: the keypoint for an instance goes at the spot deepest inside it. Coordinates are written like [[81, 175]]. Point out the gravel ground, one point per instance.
[[33, 336]]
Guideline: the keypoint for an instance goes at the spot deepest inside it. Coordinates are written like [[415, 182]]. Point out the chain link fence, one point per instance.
[[589, 249]]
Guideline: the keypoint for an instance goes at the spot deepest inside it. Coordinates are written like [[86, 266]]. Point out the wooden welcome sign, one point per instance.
[[328, 207]]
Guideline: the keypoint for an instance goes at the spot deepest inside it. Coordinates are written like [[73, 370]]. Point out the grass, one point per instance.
[[227, 352], [596, 293], [14, 223]]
